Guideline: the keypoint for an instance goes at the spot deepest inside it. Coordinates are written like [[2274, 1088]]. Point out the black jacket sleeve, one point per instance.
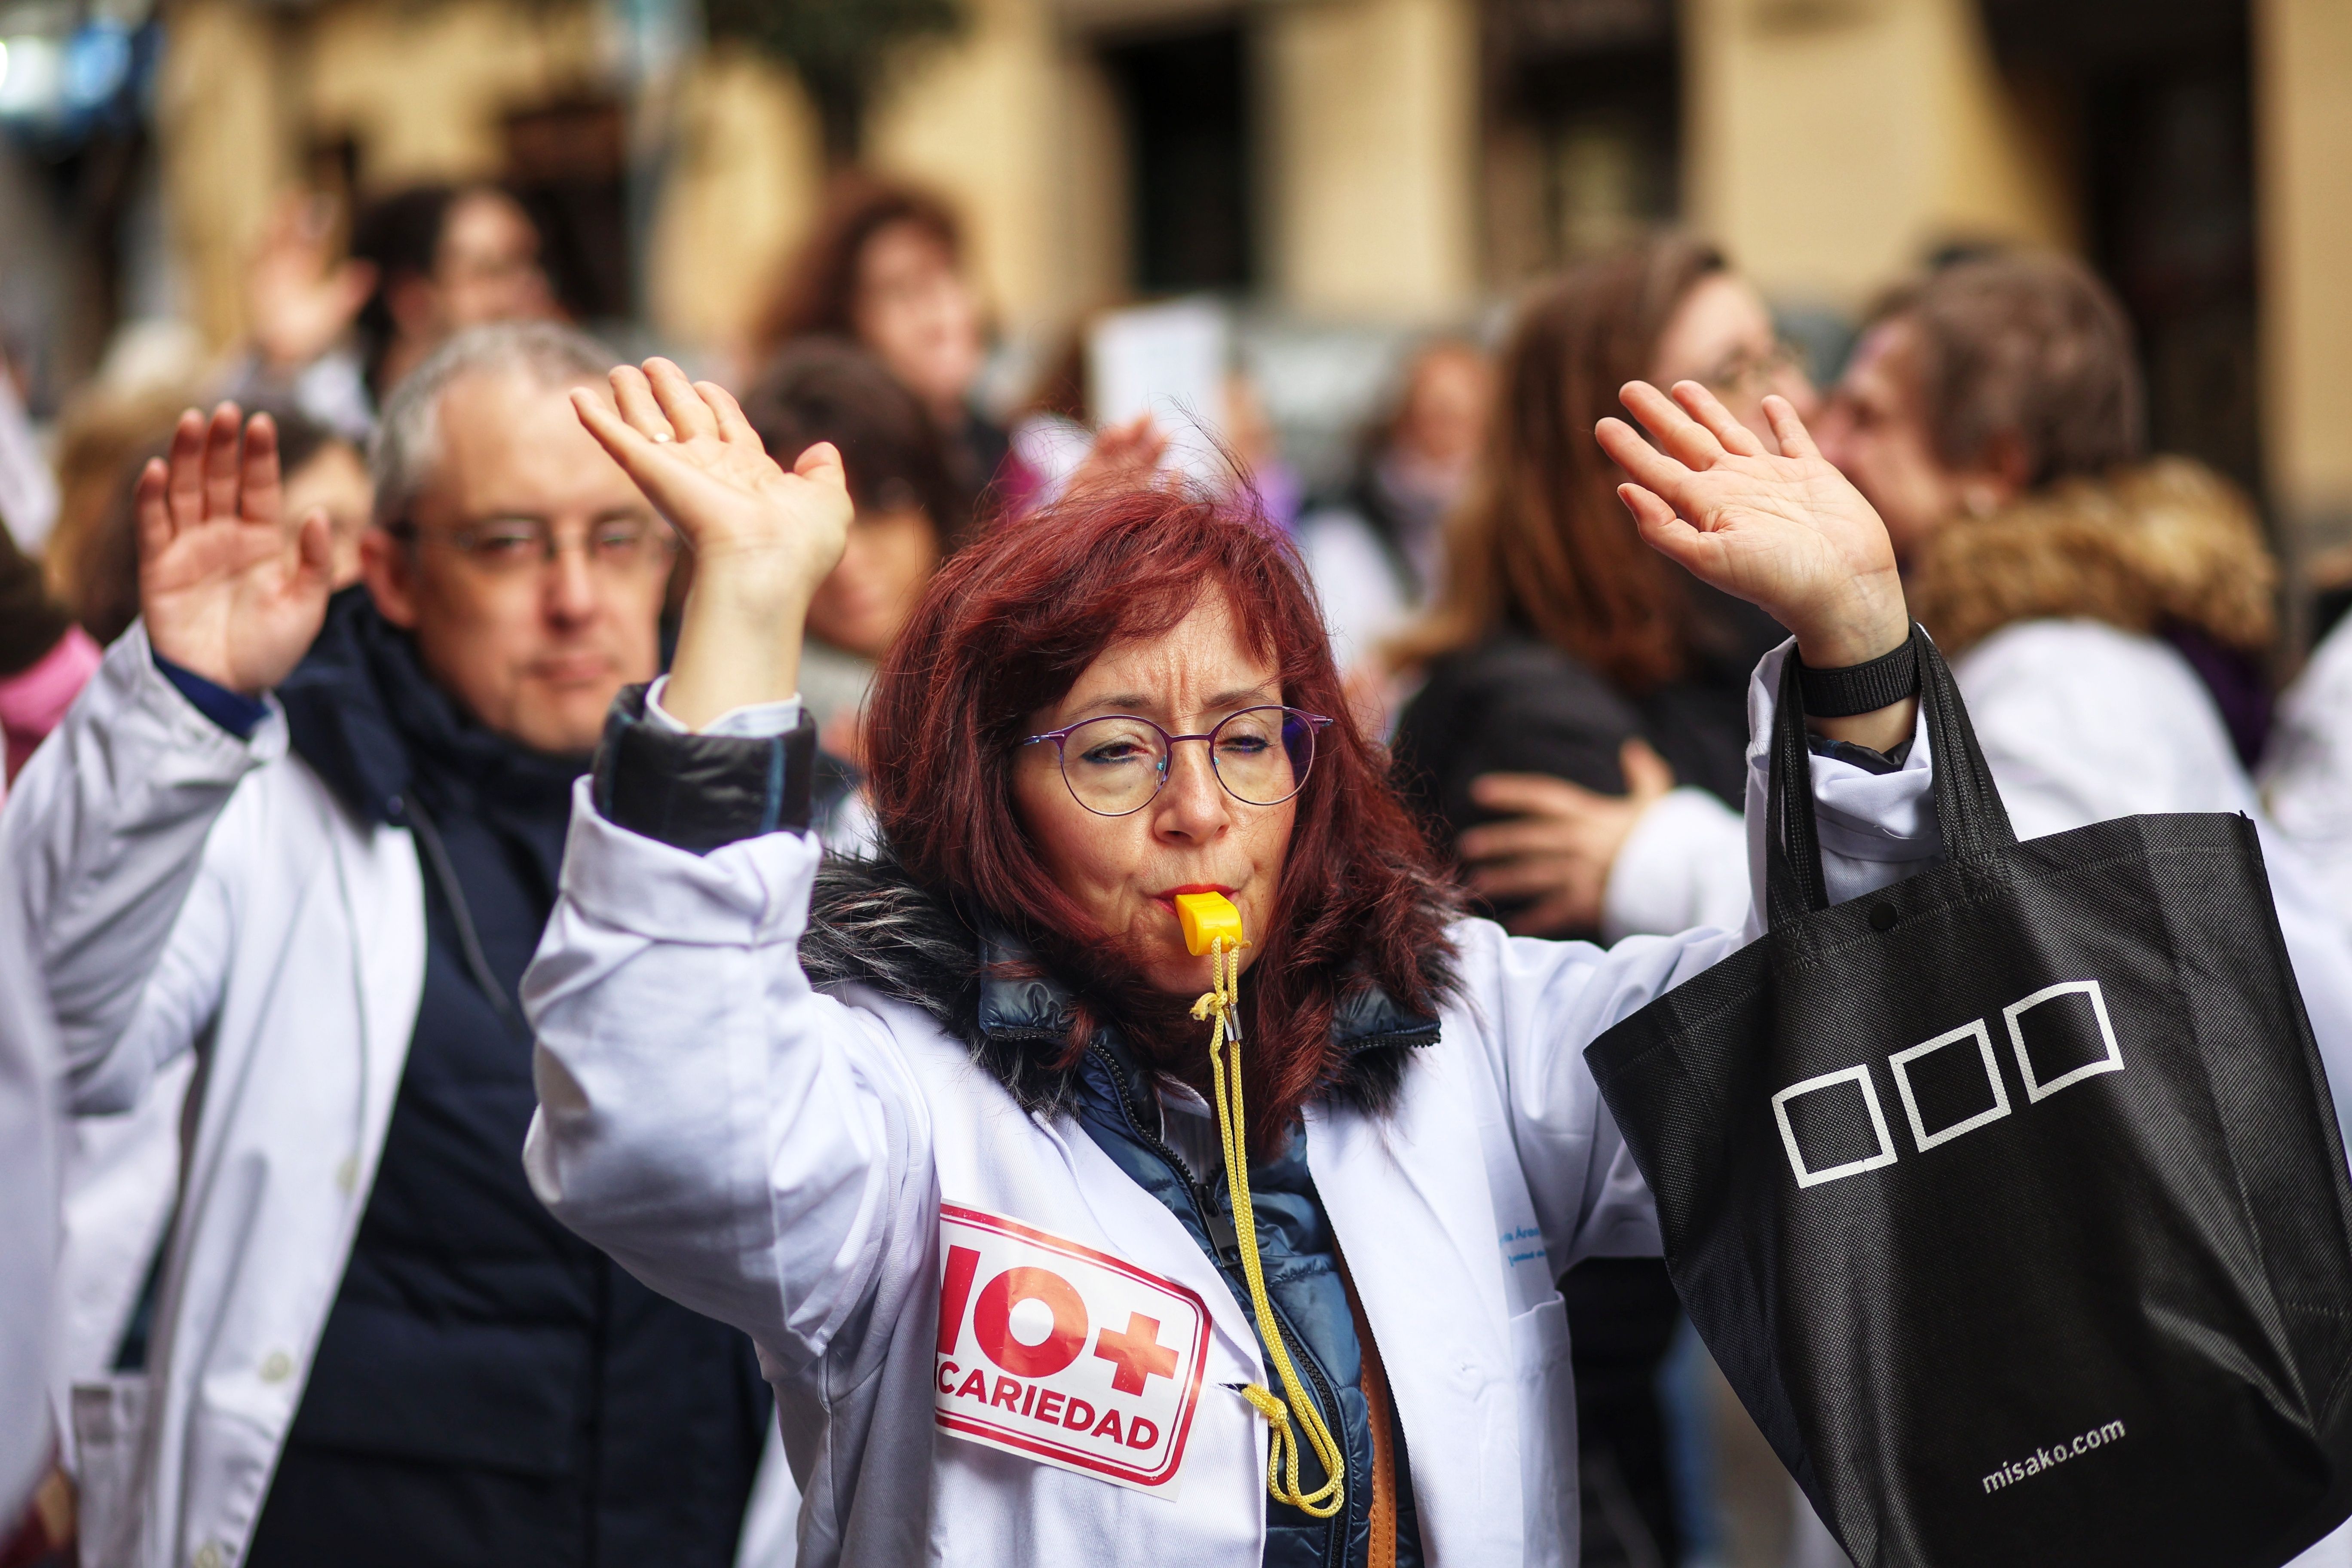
[[699, 792], [1514, 706]]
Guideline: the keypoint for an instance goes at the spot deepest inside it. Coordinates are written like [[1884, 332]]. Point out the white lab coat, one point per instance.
[[196, 892], [2306, 774], [778, 1157], [30, 1148]]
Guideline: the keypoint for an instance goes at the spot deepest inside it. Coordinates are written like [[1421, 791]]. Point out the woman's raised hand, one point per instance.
[[226, 589], [763, 539], [1788, 533]]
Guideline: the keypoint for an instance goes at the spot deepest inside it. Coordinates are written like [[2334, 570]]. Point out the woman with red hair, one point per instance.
[[1038, 1211]]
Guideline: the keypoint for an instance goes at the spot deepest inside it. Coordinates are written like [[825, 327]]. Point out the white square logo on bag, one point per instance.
[[1061, 1353]]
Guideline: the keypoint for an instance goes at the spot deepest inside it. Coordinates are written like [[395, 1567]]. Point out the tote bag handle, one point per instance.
[[1968, 809]]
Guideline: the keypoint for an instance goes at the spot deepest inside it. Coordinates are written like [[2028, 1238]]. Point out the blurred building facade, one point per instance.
[[1390, 161]]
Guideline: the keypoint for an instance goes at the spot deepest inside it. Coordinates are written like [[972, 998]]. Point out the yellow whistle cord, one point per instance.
[[1282, 1445]]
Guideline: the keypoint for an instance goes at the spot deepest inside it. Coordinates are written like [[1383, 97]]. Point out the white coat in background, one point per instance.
[[2079, 723], [191, 892], [776, 1157], [2306, 775], [30, 1150]]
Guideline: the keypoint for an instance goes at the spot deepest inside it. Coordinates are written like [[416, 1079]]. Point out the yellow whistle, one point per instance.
[[1206, 917]]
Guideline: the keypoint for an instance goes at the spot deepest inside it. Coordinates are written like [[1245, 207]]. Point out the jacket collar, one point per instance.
[[2168, 543], [871, 924], [362, 711], [1018, 1001]]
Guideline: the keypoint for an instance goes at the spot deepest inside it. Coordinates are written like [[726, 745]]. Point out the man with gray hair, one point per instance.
[[314, 842]]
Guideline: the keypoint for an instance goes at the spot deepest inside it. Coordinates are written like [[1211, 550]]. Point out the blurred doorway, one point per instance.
[[566, 162], [1185, 98], [2156, 95], [1583, 105]]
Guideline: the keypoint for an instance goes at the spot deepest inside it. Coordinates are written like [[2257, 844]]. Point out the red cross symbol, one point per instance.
[[1137, 1352]]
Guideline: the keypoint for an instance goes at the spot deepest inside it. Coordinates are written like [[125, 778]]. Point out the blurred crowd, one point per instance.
[[1565, 708]]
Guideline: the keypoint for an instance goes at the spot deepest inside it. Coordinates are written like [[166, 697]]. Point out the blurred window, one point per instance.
[[1186, 104]]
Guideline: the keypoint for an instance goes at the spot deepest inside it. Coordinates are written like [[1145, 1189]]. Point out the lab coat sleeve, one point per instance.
[[1545, 1002], [1683, 865], [30, 1140], [755, 1149], [101, 846]]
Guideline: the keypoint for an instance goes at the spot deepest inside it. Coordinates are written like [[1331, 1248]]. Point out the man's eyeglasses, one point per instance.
[[1116, 765], [520, 547]]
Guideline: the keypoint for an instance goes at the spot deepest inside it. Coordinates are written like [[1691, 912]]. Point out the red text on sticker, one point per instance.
[[1063, 1354]]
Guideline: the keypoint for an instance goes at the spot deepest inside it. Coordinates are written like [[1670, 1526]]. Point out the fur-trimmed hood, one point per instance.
[[2169, 543], [870, 923]]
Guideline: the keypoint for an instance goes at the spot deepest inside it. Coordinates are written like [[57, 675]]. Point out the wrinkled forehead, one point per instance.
[[1207, 662]]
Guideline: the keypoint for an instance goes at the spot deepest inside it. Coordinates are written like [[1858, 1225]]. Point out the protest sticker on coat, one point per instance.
[[1064, 1355]]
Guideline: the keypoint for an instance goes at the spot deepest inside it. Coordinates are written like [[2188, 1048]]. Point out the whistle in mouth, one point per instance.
[[1206, 917]]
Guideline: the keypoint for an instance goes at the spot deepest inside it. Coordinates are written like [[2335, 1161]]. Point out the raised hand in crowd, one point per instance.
[[1559, 840], [1121, 455], [299, 297], [1786, 532], [763, 538], [228, 590]]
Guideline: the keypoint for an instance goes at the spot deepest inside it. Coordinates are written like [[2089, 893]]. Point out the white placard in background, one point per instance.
[[1170, 361]]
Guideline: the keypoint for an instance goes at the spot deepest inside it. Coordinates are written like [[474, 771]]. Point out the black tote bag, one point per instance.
[[2011, 1198]]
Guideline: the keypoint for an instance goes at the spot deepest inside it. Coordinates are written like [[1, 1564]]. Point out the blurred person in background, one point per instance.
[[371, 1344], [1560, 640], [911, 513], [2107, 615], [909, 517], [32, 628], [445, 257], [302, 294], [105, 434], [45, 657], [886, 269], [331, 333], [28, 491], [94, 559], [1376, 548], [1563, 649]]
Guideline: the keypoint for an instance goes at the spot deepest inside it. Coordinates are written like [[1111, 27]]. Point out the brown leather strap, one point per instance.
[[1375, 1384]]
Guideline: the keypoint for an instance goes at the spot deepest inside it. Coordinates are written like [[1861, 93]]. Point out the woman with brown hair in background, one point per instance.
[[1561, 647], [1564, 652], [886, 269]]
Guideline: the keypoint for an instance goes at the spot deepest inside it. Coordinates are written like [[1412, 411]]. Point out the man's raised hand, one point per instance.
[[227, 590], [1788, 533], [763, 539]]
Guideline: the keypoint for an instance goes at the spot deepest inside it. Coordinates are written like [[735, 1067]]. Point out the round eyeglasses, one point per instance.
[[1115, 764]]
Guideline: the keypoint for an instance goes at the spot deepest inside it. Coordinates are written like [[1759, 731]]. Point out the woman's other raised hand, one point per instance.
[[226, 589], [763, 538], [1787, 532]]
